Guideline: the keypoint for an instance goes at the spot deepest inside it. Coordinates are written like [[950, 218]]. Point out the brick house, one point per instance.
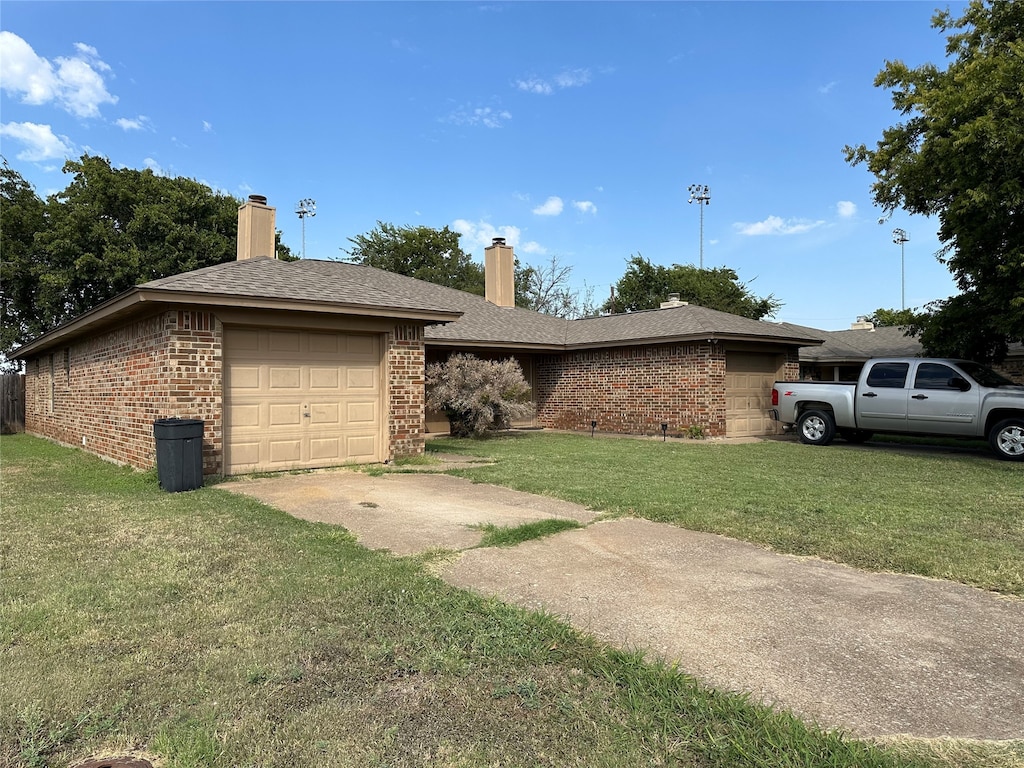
[[312, 363], [843, 353]]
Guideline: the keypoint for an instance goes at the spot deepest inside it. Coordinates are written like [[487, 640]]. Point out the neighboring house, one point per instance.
[[312, 363], [843, 354]]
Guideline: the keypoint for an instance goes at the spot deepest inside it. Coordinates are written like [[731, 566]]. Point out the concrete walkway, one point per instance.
[[873, 654]]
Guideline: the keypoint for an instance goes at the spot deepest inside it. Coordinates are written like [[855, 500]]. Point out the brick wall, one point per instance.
[[1012, 368], [405, 361], [633, 390], [104, 392]]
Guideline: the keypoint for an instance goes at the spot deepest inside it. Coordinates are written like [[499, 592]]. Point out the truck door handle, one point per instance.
[[919, 397], [869, 394]]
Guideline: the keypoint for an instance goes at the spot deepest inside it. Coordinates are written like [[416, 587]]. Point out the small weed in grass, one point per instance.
[[509, 536]]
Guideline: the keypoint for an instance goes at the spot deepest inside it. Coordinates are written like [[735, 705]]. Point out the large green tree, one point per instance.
[[107, 231], [433, 255], [958, 155], [646, 285]]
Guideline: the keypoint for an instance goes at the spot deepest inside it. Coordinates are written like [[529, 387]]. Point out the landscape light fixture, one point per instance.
[[901, 238], [593, 426], [702, 196], [305, 207], [664, 431]]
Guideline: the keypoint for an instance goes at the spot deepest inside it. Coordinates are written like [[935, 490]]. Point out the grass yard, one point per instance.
[[939, 513], [207, 629]]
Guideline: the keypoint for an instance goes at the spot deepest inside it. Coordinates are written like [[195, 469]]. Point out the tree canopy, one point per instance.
[[107, 231], [959, 155], [433, 255], [646, 285], [882, 317]]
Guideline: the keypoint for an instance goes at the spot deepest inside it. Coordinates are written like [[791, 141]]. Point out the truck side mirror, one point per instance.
[[959, 382]]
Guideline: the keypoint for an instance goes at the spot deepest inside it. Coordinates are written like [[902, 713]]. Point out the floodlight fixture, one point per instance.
[[700, 194]]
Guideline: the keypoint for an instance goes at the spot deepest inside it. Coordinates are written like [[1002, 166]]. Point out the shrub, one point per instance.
[[478, 395]]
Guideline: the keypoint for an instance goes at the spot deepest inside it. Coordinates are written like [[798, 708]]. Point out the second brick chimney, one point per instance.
[[499, 273]]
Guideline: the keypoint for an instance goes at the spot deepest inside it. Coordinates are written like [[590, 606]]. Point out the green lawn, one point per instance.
[[210, 630], [935, 512]]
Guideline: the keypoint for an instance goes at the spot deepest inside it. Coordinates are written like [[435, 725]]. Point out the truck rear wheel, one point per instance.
[[816, 427], [1007, 439]]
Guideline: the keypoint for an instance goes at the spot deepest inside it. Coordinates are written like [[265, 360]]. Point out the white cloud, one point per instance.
[[535, 85], [584, 206], [207, 127], [774, 225], [74, 83], [128, 124], [550, 207], [827, 88], [485, 116], [846, 209], [483, 232], [532, 246], [567, 78], [41, 143]]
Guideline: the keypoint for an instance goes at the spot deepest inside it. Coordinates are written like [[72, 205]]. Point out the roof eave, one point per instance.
[[132, 300]]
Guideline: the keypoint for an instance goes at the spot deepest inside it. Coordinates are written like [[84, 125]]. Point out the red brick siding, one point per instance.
[[109, 388], [405, 360], [633, 390], [1012, 368]]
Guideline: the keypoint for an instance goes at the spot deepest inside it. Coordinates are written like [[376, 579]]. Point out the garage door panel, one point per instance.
[[245, 377], [285, 415], [241, 415], [362, 412], [282, 377], [324, 378], [284, 341], [363, 378], [285, 450], [326, 449], [301, 399], [361, 446], [326, 414], [364, 347]]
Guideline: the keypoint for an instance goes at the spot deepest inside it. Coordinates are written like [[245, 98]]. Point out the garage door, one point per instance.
[[748, 393], [300, 399]]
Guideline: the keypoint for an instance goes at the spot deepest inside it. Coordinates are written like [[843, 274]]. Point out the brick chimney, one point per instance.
[[256, 230], [862, 324], [673, 301], [499, 273]]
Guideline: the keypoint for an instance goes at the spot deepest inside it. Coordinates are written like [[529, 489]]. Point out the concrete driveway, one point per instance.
[[873, 654]]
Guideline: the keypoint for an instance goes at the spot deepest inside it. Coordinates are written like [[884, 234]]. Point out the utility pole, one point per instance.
[[702, 196], [901, 238], [305, 207]]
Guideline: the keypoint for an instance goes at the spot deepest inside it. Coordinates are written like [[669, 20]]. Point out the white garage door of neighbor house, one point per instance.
[[748, 393], [300, 399]]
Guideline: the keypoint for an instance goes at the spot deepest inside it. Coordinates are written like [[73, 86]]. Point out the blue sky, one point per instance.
[[572, 129]]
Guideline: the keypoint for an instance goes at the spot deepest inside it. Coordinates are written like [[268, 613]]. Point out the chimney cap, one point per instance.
[[261, 199], [497, 241]]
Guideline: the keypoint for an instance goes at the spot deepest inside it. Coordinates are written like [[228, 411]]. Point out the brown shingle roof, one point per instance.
[[460, 318]]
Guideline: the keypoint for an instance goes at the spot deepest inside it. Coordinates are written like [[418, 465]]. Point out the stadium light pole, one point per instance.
[[305, 207], [702, 196], [901, 238]]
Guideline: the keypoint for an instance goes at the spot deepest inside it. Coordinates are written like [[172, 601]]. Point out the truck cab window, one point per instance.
[[935, 376], [888, 375]]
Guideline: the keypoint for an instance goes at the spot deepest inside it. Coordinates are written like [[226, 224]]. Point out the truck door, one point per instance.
[[881, 401], [939, 404]]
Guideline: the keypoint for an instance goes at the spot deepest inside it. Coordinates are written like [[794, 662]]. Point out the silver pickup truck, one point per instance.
[[908, 396]]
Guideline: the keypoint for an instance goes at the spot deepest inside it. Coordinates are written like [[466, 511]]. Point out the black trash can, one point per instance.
[[179, 453]]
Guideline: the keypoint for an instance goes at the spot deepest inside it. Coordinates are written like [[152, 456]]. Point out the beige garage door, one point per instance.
[[300, 399], [748, 393]]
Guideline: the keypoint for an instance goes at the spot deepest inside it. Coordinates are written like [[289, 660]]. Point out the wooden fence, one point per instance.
[[12, 403]]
